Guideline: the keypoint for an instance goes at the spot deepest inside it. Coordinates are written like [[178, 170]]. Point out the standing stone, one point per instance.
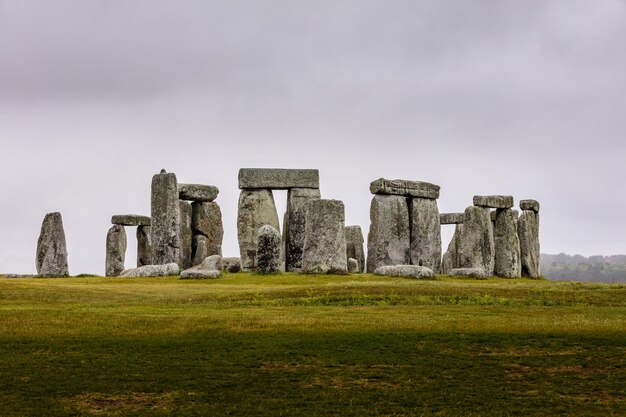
[[324, 238], [476, 249], [268, 250], [425, 233], [144, 246], [200, 249], [388, 239], [450, 259], [507, 245], [297, 203], [354, 246], [185, 234], [207, 221], [115, 251], [353, 266], [528, 226], [165, 219], [51, 259], [256, 208]]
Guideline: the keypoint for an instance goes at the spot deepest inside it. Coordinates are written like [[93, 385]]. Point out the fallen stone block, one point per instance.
[[231, 264], [468, 272], [493, 201], [278, 179], [405, 188], [407, 271], [131, 220], [211, 267], [197, 192], [165, 270]]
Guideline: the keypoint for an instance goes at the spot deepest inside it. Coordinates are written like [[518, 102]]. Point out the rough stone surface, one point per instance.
[[528, 227], [354, 245], [476, 248], [163, 270], [425, 233], [353, 266], [493, 201], [408, 271], [256, 208], [130, 220], [507, 247], [324, 238], [450, 258], [468, 272], [185, 234], [268, 250], [278, 179], [51, 257], [200, 251], [297, 203], [405, 188], [231, 264], [529, 205], [388, 241], [207, 221], [197, 192], [451, 218], [144, 246], [115, 251], [165, 213], [211, 267]]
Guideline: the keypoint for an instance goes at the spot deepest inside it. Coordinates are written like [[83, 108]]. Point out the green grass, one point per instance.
[[311, 345]]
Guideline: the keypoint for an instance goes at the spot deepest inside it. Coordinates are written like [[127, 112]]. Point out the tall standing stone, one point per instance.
[[324, 238], [51, 259], [115, 250], [207, 221], [297, 203], [425, 233], [165, 212], [185, 234], [388, 240], [354, 246], [507, 245], [450, 258], [268, 250], [256, 208], [200, 251], [528, 228], [476, 249], [144, 246]]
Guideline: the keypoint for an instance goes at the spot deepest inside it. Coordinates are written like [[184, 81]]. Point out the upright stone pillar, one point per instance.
[[324, 238], [507, 245], [297, 201], [268, 250], [144, 246], [185, 234], [207, 227], [115, 250], [450, 259], [165, 219], [528, 228], [388, 241], [425, 233], [476, 249], [256, 208], [354, 246], [51, 258]]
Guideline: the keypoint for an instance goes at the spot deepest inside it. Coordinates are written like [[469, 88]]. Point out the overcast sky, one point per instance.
[[481, 97]]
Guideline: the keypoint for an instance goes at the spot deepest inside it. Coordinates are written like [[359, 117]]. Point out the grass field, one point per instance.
[[311, 345]]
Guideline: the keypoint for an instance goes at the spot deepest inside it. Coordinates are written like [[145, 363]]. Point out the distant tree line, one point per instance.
[[579, 268]]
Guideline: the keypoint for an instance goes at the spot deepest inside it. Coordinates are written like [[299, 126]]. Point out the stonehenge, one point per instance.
[[324, 238], [268, 250], [51, 255]]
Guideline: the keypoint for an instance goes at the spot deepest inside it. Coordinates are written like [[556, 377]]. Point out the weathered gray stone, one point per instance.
[[353, 266], [200, 251], [130, 220], [354, 245], [197, 192], [144, 246], [51, 259], [278, 179], [163, 270], [232, 264], [388, 241], [297, 203], [450, 259], [268, 250], [529, 205], [528, 227], [493, 201], [185, 234], [507, 247], [115, 250], [451, 218], [324, 238], [425, 233], [476, 248], [207, 221], [405, 188], [469, 272], [407, 271], [165, 213], [256, 208], [211, 267]]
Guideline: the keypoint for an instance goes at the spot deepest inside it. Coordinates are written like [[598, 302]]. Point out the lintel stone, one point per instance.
[[451, 218], [405, 188], [130, 220], [278, 179], [197, 192], [493, 201], [529, 205]]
